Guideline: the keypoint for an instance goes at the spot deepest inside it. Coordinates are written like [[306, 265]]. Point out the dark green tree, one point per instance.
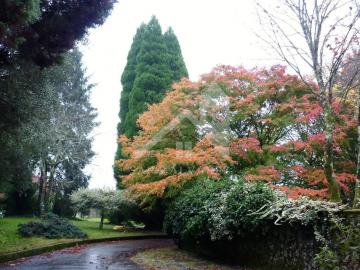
[[42, 30], [36, 34], [127, 81], [54, 139], [153, 75], [21, 90], [154, 62], [176, 61], [129, 74]]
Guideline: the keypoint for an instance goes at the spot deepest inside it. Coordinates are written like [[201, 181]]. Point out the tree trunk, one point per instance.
[[49, 191], [101, 225], [356, 203], [42, 184], [334, 187], [40, 195]]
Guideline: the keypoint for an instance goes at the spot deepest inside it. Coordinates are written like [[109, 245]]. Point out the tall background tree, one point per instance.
[[154, 62], [37, 102], [66, 130], [53, 141], [40, 32]]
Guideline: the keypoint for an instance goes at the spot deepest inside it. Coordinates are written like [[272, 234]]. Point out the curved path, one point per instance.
[[111, 255]]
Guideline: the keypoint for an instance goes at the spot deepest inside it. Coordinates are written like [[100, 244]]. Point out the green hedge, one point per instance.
[[218, 210]]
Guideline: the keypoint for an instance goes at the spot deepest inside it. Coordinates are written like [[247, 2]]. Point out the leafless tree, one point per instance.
[[314, 37]]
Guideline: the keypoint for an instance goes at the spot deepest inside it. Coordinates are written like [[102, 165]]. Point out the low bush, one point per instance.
[[51, 226]]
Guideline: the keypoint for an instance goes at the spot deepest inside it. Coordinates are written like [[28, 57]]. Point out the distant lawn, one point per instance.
[[97, 220], [11, 241]]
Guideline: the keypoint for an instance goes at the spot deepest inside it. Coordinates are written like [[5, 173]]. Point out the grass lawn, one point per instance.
[[176, 259], [11, 241]]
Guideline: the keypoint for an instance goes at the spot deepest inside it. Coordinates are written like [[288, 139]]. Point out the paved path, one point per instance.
[[112, 255]]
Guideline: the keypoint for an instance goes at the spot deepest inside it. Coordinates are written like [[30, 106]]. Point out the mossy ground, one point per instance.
[[176, 259]]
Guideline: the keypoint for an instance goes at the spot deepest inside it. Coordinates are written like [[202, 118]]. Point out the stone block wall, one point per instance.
[[282, 247]]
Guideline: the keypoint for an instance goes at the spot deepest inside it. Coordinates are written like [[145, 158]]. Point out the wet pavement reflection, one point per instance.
[[111, 255]]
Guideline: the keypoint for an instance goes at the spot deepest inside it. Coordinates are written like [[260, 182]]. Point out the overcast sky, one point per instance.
[[210, 32]]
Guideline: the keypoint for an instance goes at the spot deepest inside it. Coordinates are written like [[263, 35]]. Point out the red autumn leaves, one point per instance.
[[274, 133]]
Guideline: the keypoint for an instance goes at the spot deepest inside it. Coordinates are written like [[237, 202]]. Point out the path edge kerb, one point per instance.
[[7, 257]]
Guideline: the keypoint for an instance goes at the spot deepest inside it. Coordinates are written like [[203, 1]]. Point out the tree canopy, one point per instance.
[[105, 200], [42, 30]]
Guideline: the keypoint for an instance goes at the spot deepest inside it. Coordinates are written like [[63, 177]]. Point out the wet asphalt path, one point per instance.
[[111, 255]]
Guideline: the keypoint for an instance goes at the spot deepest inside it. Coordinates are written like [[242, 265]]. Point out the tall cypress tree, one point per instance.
[[153, 75], [176, 61], [154, 62], [127, 81], [128, 76]]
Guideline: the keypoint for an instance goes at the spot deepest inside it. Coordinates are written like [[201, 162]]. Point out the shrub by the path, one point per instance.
[[218, 209], [51, 226]]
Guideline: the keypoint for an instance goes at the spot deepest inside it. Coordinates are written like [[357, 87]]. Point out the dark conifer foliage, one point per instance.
[[129, 75], [176, 60], [42, 30]]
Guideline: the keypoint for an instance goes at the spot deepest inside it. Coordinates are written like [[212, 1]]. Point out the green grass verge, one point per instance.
[[11, 241], [176, 259]]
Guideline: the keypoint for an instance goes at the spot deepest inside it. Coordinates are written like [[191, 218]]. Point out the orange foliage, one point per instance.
[[205, 158], [263, 173], [284, 128], [171, 167]]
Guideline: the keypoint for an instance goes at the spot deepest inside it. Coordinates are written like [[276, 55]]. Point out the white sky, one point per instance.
[[210, 32]]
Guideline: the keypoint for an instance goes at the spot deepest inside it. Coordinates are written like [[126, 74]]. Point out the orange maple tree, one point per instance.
[[271, 123], [154, 160]]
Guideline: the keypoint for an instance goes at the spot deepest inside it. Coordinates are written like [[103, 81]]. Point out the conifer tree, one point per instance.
[[127, 81], [128, 76], [176, 60], [154, 62]]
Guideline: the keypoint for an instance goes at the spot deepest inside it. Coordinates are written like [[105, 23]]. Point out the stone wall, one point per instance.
[[282, 247], [279, 248]]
